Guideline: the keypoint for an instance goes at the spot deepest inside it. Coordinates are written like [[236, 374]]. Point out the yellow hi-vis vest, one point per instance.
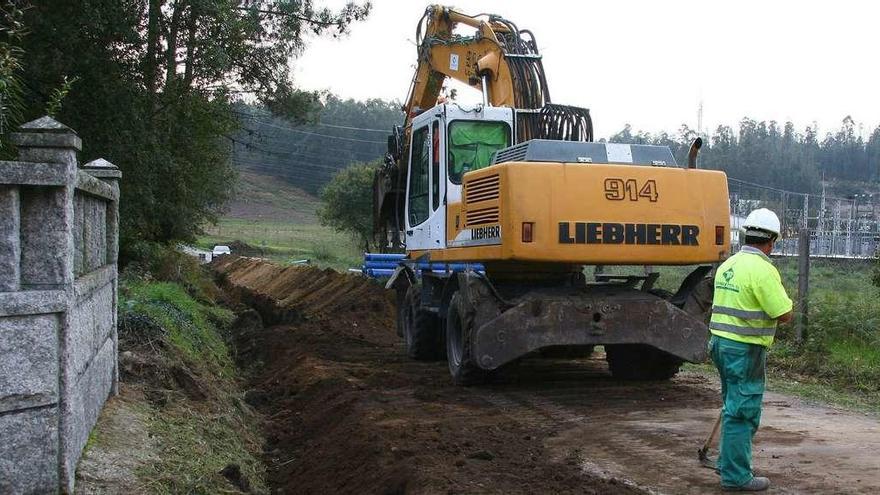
[[749, 296]]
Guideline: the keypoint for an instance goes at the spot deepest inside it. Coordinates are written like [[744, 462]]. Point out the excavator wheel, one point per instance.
[[459, 331], [421, 329], [640, 362]]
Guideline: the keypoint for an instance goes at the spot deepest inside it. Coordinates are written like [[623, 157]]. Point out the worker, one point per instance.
[[748, 303]]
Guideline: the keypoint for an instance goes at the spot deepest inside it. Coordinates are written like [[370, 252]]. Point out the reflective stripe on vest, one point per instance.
[[752, 331], [745, 314]]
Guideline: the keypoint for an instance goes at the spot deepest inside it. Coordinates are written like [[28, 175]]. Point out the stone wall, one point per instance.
[[58, 299]]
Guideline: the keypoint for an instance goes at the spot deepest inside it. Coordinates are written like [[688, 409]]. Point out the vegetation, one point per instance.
[[348, 132], [844, 329], [285, 242], [188, 325], [765, 153], [11, 32], [348, 202], [180, 378], [150, 86]]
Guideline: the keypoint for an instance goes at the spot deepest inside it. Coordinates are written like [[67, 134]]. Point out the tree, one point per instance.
[[347, 202], [156, 84], [11, 31], [873, 152]]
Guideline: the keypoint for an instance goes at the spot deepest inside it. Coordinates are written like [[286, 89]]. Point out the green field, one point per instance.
[[287, 242], [277, 220]]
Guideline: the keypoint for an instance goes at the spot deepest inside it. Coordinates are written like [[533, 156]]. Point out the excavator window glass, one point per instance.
[[418, 177], [472, 144], [435, 166]]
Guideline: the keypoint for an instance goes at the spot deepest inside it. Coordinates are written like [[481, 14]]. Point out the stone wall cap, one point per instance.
[[37, 139], [100, 163], [102, 169], [46, 124]]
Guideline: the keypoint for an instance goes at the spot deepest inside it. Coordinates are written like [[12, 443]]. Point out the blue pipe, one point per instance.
[[384, 256], [386, 272], [381, 264], [436, 266]]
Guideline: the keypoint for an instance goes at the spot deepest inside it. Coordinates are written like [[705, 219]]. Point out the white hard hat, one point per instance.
[[762, 223]]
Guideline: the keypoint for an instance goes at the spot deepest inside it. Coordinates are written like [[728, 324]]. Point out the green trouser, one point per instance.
[[741, 367]]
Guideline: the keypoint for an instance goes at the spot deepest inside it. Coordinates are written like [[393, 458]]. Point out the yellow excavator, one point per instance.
[[512, 200]]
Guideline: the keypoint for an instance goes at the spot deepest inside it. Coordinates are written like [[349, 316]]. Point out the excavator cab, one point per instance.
[[446, 142]]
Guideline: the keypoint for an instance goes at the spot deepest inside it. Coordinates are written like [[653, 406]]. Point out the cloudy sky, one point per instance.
[[648, 63]]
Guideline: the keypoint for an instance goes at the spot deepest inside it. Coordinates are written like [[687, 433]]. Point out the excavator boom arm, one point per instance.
[[486, 61]]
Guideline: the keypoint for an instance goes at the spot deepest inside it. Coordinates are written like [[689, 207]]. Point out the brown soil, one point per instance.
[[349, 413], [296, 292]]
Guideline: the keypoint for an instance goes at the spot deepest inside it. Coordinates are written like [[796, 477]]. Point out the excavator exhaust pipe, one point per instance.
[[694, 151]]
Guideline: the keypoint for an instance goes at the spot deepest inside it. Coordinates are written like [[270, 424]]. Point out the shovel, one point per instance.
[[703, 453]]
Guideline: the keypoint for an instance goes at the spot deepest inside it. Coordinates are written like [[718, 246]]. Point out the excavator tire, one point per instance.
[[421, 329], [640, 362], [459, 332]]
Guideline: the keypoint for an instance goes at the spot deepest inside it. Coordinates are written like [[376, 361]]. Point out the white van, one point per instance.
[[220, 251]]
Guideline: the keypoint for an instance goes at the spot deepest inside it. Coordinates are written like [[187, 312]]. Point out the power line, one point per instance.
[[383, 131], [276, 150], [291, 129], [322, 124], [312, 167]]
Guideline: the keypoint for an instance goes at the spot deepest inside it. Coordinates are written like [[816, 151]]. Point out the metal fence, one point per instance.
[[839, 228]]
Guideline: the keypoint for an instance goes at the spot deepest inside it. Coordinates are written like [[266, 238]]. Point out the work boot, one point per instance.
[[756, 484]]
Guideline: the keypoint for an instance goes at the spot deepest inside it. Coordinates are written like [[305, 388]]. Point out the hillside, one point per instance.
[[309, 153], [267, 198]]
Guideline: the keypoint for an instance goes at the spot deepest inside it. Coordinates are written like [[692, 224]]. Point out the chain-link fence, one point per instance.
[[839, 228]]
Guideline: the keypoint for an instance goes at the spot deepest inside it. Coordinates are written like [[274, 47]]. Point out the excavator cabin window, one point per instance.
[[435, 166], [418, 176], [472, 144]]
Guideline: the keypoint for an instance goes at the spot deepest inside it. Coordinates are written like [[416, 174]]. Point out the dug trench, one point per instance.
[[347, 412]]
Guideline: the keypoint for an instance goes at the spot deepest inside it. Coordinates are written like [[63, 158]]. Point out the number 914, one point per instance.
[[621, 189]]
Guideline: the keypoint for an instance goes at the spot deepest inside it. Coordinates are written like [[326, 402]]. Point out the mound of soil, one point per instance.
[[296, 293]]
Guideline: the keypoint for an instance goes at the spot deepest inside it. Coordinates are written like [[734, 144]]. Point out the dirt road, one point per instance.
[[348, 413]]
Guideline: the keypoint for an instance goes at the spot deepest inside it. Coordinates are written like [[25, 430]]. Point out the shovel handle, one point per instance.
[[714, 432]]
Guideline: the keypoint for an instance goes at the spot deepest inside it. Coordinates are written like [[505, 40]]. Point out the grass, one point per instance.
[[201, 425], [841, 349], [808, 388], [280, 221], [196, 447], [286, 242], [190, 326]]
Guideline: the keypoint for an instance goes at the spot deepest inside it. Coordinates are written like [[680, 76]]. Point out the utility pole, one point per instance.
[[803, 286]]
